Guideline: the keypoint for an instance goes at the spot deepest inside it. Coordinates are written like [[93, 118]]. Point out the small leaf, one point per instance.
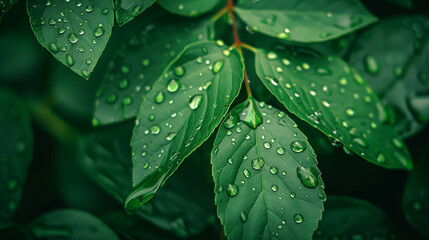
[[180, 113], [415, 199], [396, 68], [70, 224], [75, 32], [140, 62], [190, 8], [5, 5], [330, 96], [16, 150], [126, 10], [350, 218], [267, 183], [304, 20]]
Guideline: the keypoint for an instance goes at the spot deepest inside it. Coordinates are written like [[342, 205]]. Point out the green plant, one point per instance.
[[172, 77]]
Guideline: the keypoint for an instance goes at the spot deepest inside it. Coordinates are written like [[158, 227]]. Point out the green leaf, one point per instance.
[[70, 224], [5, 5], [267, 183], [304, 20], [126, 10], [75, 32], [330, 96], [350, 218], [396, 68], [141, 61], [16, 151], [415, 199], [180, 113], [190, 8], [408, 4], [105, 156]]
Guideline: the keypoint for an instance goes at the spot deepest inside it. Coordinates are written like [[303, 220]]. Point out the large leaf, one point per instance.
[[328, 94], [105, 156], [16, 150], [126, 10], [396, 68], [267, 183], [70, 224], [415, 201], [191, 8], [140, 62], [180, 113], [350, 218], [75, 32], [5, 5], [304, 20]]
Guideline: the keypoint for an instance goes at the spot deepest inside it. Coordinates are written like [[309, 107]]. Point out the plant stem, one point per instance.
[[237, 43]]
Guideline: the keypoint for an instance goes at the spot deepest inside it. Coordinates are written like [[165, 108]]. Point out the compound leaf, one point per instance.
[[126, 10], [190, 8], [5, 5], [75, 32], [180, 113], [71, 224], [396, 68], [330, 96], [266, 182], [350, 218], [304, 20], [140, 62], [16, 151]]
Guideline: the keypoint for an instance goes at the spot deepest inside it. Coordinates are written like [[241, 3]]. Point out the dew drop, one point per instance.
[[99, 31], [155, 130], [217, 66], [381, 158], [173, 86], [267, 145], [271, 55], [298, 218], [371, 65], [195, 102], [72, 38], [246, 173], [179, 71], [232, 190], [257, 164], [307, 176], [89, 8], [159, 98], [274, 170], [280, 150], [275, 188], [53, 47], [361, 142], [69, 60], [243, 217], [298, 146], [170, 136], [350, 112]]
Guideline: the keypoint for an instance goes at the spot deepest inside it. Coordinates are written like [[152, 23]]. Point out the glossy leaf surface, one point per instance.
[[397, 69], [5, 5], [126, 10], [304, 20], [74, 32], [71, 224], [180, 113], [267, 183], [191, 8], [140, 63], [329, 95], [16, 151], [350, 218]]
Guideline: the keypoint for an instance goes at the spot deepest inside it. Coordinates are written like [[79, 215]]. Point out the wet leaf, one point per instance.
[[180, 113], [350, 218], [126, 10], [5, 5], [74, 32], [140, 62], [16, 151], [332, 97], [190, 8], [70, 224], [397, 68], [267, 182], [304, 20]]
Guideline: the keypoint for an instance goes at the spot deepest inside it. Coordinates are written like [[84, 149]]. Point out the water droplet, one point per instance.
[[275, 188], [280, 150], [232, 190], [99, 31], [195, 102], [271, 55], [257, 164], [173, 85], [123, 83], [326, 104], [250, 115], [111, 98], [127, 101], [159, 98], [179, 71], [381, 158], [243, 217], [274, 170], [170, 136], [350, 112], [217, 66], [53, 47], [69, 60], [105, 11], [361, 142], [324, 71], [343, 81], [298, 218], [89, 8], [246, 173], [298, 146], [371, 65], [72, 38], [398, 143], [308, 176], [155, 130], [267, 145]]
